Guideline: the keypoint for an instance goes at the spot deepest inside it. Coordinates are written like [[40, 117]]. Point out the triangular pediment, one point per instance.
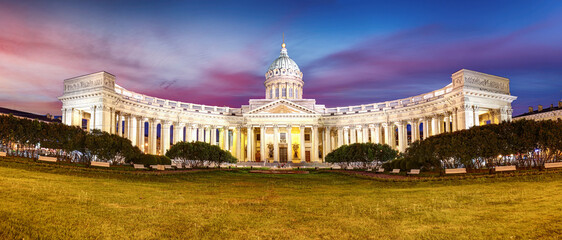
[[282, 107]]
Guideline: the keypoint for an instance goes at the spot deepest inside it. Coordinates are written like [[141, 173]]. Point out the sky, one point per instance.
[[217, 52]]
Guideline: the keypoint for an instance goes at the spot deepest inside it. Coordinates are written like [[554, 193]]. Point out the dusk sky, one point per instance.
[[217, 52]]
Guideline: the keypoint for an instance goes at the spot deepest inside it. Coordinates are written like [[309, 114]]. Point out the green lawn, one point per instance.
[[49, 202]]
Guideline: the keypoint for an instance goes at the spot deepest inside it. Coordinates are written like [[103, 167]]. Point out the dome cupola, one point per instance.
[[283, 79]]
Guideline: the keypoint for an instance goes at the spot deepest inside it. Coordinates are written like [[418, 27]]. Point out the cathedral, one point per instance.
[[283, 127]]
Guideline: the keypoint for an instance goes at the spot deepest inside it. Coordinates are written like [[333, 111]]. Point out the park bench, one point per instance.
[[414, 172], [380, 170], [505, 168], [553, 165], [2, 154], [47, 159], [168, 167], [369, 170], [396, 170], [349, 168], [99, 164], [139, 166], [455, 171]]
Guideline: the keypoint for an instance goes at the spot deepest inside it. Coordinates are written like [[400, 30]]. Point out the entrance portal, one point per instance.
[[283, 154]]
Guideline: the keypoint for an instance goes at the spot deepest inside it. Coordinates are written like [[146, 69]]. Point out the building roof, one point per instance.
[[550, 109], [284, 62], [17, 113]]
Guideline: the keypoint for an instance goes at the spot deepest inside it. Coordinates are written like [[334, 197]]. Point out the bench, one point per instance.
[[153, 166], [349, 168], [2, 154], [414, 172], [380, 170], [168, 167], [139, 166], [160, 167], [396, 170], [553, 165], [99, 164], [455, 171], [369, 170], [47, 159], [505, 168]]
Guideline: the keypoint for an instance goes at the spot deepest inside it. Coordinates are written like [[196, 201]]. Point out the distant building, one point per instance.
[[32, 116], [551, 113]]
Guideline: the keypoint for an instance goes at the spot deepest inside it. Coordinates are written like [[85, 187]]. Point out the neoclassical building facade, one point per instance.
[[283, 126]]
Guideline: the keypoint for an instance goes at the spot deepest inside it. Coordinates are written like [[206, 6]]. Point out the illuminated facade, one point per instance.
[[284, 127]]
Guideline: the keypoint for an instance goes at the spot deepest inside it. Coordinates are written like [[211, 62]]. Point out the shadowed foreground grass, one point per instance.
[[45, 201]]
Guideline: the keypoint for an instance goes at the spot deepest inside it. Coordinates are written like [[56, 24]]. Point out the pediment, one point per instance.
[[282, 107]]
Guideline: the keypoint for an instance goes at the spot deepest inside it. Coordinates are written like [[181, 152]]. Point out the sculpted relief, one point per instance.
[[86, 83]]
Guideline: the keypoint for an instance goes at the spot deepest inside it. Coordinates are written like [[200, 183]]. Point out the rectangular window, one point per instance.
[[277, 92], [290, 92], [307, 137], [284, 91]]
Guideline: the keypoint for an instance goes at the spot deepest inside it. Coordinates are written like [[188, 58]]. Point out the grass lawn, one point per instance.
[[49, 202]]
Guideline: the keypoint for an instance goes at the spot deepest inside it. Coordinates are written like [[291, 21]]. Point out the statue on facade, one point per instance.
[[270, 148], [296, 150]]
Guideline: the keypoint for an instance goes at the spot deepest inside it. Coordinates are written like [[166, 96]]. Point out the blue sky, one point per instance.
[[217, 52]]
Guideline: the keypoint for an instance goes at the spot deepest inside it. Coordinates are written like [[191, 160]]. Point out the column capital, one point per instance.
[[476, 107]]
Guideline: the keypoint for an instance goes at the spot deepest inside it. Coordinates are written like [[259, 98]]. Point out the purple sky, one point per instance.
[[217, 52]]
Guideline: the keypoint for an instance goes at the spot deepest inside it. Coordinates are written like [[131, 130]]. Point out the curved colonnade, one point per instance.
[[283, 129]]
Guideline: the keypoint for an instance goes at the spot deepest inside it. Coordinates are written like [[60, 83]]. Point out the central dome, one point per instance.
[[283, 79], [284, 62]]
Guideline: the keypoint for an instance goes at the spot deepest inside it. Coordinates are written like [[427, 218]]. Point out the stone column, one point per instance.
[[401, 142], [434, 125], [178, 129], [302, 145], [465, 117], [346, 136], [289, 144], [141, 129], [249, 138], [189, 132], [226, 138], [276, 143], [365, 135], [133, 130], [239, 154], [153, 136], [314, 152], [340, 140], [476, 117], [112, 121], [417, 129], [353, 134], [165, 134], [425, 128], [447, 123], [213, 133], [208, 134], [262, 143], [387, 134], [200, 134], [454, 116], [376, 134], [327, 141]]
